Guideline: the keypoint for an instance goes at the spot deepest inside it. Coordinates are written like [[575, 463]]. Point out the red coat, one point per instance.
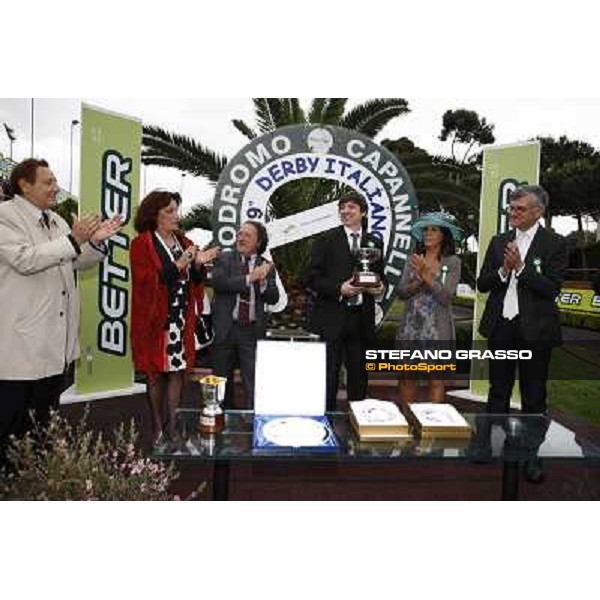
[[149, 309]]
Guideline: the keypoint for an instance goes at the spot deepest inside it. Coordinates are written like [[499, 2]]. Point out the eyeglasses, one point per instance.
[[518, 209]]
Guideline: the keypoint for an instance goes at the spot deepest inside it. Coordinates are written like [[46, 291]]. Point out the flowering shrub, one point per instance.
[[64, 462]]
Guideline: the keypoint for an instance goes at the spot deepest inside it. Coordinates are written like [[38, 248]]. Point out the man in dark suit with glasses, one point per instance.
[[523, 271]]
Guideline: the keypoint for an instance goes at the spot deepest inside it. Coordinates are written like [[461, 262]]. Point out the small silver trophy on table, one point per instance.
[[212, 418], [365, 277]]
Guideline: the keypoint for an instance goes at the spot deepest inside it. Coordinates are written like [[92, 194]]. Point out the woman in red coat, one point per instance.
[[167, 272]]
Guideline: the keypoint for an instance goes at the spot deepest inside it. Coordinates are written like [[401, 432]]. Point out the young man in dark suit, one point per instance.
[[343, 314], [523, 271], [243, 282]]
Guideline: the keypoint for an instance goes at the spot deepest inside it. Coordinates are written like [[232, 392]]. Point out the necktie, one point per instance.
[[244, 304], [354, 300], [511, 301], [46, 219]]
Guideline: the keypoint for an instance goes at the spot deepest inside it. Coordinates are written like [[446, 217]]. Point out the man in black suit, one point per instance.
[[523, 271], [243, 282], [343, 314]]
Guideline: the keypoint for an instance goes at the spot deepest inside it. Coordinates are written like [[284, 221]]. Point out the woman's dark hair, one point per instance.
[[262, 235], [26, 170], [448, 247], [146, 218]]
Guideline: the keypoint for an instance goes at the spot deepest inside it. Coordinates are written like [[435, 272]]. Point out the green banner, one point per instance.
[[504, 168], [579, 300], [110, 183]]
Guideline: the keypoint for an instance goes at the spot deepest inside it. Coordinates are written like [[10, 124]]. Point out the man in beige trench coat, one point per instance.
[[39, 302]]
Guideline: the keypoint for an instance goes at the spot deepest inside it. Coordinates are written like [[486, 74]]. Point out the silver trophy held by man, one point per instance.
[[364, 276]]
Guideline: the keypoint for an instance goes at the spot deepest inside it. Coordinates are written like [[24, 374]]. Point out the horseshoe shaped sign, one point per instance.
[[319, 151]]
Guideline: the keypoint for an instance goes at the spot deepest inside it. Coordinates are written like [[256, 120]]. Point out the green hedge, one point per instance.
[[463, 301], [387, 331], [581, 320], [464, 331], [567, 318]]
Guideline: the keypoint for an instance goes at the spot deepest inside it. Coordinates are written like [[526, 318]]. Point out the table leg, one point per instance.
[[221, 480], [510, 480]]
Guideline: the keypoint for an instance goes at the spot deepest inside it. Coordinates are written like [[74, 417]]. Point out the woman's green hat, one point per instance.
[[437, 219]]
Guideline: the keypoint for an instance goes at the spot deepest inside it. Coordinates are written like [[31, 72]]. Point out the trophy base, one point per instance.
[[214, 423], [366, 280]]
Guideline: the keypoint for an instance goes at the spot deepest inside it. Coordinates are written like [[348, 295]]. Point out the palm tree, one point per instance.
[[67, 209], [168, 149], [441, 182], [199, 216]]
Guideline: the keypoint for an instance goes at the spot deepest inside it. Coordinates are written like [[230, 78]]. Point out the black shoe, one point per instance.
[[534, 473]]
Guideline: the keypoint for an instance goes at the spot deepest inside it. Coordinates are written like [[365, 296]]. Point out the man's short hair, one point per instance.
[[354, 199], [26, 170], [537, 191]]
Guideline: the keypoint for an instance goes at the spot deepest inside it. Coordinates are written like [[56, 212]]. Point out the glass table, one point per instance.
[[506, 439]]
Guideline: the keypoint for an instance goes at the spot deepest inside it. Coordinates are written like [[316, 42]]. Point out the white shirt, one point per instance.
[[523, 240], [262, 287], [349, 235]]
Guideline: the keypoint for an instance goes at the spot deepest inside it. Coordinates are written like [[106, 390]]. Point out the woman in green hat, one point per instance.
[[428, 286]]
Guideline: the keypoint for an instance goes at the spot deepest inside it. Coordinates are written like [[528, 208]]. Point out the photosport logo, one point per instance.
[[297, 152]]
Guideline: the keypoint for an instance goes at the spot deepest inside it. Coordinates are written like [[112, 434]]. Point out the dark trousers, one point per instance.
[[533, 373], [20, 398], [349, 349], [239, 347]]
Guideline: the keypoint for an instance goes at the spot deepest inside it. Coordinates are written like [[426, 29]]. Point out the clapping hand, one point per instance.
[[84, 228], [512, 258], [107, 229], [425, 272], [260, 273], [206, 256], [189, 255], [417, 263]]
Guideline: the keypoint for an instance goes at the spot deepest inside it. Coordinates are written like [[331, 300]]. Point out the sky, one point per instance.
[[208, 121]]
